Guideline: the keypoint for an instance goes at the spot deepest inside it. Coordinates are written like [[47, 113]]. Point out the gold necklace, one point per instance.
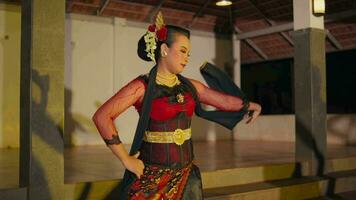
[[170, 80]]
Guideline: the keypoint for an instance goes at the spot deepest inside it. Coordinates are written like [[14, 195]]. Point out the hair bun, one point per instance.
[[141, 49]]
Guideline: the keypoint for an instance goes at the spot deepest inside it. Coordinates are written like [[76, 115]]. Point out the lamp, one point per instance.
[[223, 3], [319, 7]]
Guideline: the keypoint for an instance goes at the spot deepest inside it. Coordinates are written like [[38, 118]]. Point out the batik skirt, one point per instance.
[[163, 183]]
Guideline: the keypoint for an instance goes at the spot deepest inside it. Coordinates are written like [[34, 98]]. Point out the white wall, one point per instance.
[[88, 75], [341, 129], [101, 58], [10, 20]]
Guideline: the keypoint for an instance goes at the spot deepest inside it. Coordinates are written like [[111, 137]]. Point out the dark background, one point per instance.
[[270, 83]]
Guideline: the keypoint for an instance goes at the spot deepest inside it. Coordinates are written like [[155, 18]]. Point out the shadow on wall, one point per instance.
[[75, 122], [343, 127], [46, 132]]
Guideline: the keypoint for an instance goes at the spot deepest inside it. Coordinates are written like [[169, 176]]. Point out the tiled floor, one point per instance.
[[94, 163]]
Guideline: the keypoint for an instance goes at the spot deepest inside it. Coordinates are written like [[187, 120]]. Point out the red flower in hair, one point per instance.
[[162, 34], [152, 28]]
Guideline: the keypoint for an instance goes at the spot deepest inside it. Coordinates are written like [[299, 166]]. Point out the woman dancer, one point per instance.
[[160, 164]]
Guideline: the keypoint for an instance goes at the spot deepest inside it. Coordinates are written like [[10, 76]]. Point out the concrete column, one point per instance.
[[237, 70], [42, 99], [237, 61], [309, 86], [225, 59]]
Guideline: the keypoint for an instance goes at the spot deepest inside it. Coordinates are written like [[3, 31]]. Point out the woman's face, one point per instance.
[[178, 54]]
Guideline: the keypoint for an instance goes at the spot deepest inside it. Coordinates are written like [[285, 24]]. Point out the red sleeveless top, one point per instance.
[[165, 107]]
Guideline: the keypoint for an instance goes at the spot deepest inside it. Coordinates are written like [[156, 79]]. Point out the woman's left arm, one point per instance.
[[225, 102]]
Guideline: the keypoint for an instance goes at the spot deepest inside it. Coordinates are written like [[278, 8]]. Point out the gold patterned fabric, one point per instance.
[[158, 183], [178, 136]]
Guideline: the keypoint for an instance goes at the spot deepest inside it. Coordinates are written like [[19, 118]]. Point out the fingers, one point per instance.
[[249, 120], [139, 169], [249, 116], [254, 111], [135, 165], [137, 154], [245, 116], [138, 175], [252, 116]]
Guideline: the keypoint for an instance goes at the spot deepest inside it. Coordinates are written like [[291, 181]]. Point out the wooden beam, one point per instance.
[[256, 49], [249, 42], [333, 40], [150, 17], [265, 31], [252, 45], [290, 26], [102, 8], [13, 2], [71, 3], [199, 12], [175, 4], [270, 22]]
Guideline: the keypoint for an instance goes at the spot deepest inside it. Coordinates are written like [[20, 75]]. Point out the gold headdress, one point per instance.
[[156, 32]]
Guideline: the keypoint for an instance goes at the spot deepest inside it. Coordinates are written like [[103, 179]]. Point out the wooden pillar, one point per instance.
[[42, 99], [237, 71], [225, 59], [309, 86]]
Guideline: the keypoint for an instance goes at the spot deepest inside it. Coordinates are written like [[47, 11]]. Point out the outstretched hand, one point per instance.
[[134, 165], [254, 111]]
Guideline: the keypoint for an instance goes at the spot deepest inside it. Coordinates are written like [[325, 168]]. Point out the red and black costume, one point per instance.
[[169, 172]]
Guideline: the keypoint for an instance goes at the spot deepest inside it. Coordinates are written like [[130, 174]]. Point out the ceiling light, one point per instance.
[[223, 3], [319, 6]]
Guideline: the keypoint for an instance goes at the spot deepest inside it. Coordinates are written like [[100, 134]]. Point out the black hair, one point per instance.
[[172, 31]]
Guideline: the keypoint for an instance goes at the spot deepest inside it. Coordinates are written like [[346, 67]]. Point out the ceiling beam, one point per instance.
[[256, 49], [270, 22], [199, 13], [175, 4], [102, 8], [249, 42], [290, 26], [14, 2], [71, 3], [150, 17], [333, 40], [272, 9], [265, 31], [252, 45]]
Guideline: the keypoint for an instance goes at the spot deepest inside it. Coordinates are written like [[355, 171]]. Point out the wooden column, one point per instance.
[[309, 86], [42, 99]]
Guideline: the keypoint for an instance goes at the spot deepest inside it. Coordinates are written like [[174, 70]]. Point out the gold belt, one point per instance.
[[178, 136]]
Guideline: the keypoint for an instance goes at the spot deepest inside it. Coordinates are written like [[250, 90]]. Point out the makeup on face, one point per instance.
[[178, 54], [183, 45]]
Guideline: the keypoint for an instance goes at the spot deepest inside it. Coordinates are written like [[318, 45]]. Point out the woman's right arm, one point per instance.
[[104, 121]]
